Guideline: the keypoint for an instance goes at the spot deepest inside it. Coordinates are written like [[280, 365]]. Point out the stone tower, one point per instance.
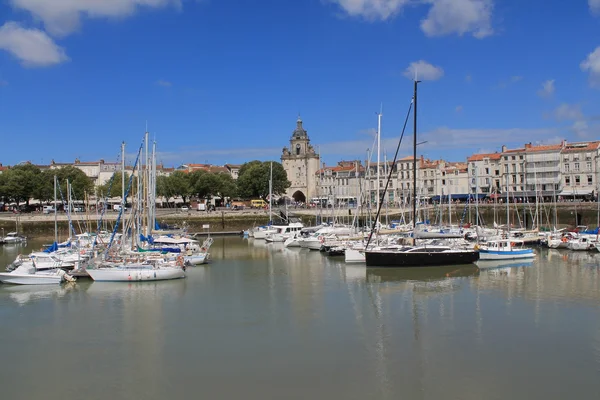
[[301, 164]]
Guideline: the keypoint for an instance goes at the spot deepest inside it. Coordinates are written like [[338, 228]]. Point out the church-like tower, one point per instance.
[[301, 164]]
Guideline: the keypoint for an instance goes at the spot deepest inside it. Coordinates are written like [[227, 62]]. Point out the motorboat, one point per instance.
[[504, 249], [27, 274], [13, 237]]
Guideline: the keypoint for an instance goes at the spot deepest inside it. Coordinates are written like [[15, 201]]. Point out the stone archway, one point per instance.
[[299, 197]]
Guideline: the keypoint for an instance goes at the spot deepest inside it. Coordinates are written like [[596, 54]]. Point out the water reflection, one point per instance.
[[425, 274], [23, 294]]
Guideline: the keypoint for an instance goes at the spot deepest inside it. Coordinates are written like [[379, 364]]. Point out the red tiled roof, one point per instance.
[[548, 147], [581, 146], [481, 157]]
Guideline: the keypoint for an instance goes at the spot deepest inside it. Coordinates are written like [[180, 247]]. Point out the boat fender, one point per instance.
[[476, 247]]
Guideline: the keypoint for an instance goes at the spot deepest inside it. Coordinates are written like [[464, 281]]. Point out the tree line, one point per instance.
[[23, 182]]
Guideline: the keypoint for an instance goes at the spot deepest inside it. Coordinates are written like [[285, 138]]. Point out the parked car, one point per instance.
[[48, 209], [185, 209]]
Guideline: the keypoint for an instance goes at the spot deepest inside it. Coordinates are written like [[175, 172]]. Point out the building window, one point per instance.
[[566, 167], [588, 165], [487, 171], [443, 181], [567, 180], [485, 161], [497, 172], [590, 180], [520, 157], [576, 166], [487, 181], [577, 180], [513, 157]]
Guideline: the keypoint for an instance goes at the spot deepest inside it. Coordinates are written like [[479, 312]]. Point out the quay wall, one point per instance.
[[42, 226]]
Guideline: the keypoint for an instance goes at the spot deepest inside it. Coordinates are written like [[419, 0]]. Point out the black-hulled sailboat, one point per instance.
[[423, 255]]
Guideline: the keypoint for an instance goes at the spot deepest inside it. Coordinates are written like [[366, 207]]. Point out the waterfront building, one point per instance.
[[340, 184], [301, 163], [371, 183], [234, 170], [485, 173], [580, 169]]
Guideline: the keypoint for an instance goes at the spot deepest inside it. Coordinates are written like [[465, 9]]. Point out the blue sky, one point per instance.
[[222, 81]]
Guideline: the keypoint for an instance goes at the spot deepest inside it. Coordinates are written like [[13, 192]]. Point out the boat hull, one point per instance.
[[400, 259], [30, 279], [135, 274], [354, 256], [506, 255]]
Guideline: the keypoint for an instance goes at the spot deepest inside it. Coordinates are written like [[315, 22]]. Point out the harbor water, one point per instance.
[[265, 322]]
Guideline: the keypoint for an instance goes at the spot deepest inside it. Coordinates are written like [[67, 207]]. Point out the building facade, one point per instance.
[[301, 163], [580, 169]]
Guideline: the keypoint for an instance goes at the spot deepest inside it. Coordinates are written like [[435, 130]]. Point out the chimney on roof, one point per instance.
[[528, 145], [101, 161], [503, 148], [563, 143]]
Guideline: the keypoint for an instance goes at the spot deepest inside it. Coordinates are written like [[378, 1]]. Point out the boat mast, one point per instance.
[[378, 153], [55, 214], [123, 202], [271, 194], [415, 156]]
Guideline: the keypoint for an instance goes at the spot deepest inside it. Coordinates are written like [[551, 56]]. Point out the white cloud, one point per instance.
[[459, 17], [163, 83], [592, 65], [33, 47], [594, 6], [568, 112], [423, 71], [371, 9], [62, 17], [547, 89], [581, 128], [444, 137], [444, 17]]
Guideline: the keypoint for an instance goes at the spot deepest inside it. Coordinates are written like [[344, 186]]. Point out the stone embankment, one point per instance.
[[42, 226]]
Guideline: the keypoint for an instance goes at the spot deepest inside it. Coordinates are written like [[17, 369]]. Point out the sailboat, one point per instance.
[[134, 266], [505, 249], [422, 255]]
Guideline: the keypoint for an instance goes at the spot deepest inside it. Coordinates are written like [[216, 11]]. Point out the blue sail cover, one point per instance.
[[52, 248]]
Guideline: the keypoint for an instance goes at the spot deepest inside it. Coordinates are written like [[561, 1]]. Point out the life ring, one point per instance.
[[512, 244], [564, 240]]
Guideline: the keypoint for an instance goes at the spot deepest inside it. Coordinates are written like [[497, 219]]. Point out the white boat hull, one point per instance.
[[354, 256], [132, 274], [196, 259], [30, 279]]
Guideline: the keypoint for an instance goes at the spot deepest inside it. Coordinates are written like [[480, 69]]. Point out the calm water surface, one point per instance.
[[265, 322]]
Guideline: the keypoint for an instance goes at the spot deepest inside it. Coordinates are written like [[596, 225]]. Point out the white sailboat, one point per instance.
[[127, 267]]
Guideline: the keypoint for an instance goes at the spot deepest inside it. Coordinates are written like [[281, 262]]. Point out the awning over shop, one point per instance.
[[459, 197], [576, 192]]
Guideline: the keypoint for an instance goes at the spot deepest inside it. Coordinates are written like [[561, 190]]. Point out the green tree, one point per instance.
[[79, 181], [254, 176], [206, 184], [178, 184], [116, 186], [44, 186], [19, 182]]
